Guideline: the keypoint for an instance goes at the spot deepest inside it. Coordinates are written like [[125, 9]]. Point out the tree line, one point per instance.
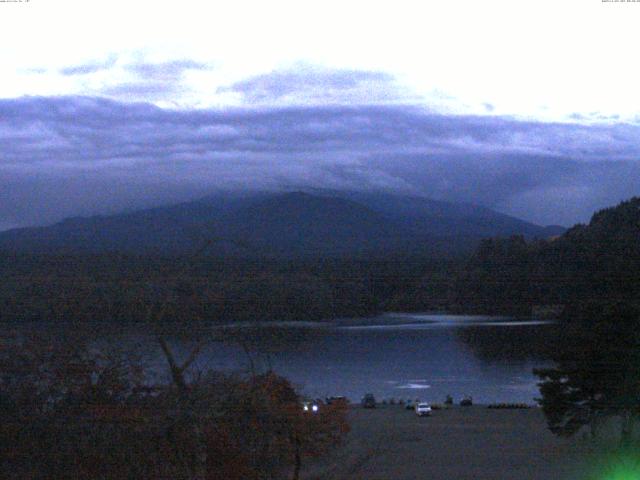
[[118, 288], [595, 377], [599, 261]]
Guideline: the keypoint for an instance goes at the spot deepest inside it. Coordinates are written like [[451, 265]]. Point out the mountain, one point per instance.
[[444, 219], [293, 224]]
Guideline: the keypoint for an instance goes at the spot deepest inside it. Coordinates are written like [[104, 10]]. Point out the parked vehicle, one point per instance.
[[423, 409], [369, 401], [310, 406]]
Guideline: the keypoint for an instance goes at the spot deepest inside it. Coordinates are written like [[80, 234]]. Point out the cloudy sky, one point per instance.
[[529, 107]]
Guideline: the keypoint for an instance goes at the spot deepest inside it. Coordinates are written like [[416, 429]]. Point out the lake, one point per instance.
[[400, 356], [395, 355]]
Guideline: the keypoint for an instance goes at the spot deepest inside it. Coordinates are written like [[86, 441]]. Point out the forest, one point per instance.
[[91, 413], [595, 262], [119, 288], [600, 260]]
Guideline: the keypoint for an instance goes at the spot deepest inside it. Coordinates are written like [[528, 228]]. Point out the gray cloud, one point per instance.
[[149, 90], [147, 81], [80, 155], [594, 117], [90, 67], [153, 81], [313, 84], [172, 70]]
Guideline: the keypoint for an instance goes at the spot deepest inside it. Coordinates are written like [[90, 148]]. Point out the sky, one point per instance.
[[530, 108]]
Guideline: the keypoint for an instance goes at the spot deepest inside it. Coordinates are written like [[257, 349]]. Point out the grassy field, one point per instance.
[[472, 443]]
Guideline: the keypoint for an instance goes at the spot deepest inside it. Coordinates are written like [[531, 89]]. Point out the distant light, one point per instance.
[[314, 408]]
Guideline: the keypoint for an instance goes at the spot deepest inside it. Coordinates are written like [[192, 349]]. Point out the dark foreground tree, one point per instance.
[[69, 411], [597, 370], [260, 431]]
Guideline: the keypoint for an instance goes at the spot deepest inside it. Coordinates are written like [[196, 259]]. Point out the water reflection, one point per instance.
[[393, 355], [515, 342]]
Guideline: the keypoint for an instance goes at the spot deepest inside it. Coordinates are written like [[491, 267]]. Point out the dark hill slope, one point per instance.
[[302, 224], [281, 225], [599, 261], [444, 219]]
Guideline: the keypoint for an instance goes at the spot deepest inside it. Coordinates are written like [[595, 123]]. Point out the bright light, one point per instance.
[[617, 465], [543, 59]]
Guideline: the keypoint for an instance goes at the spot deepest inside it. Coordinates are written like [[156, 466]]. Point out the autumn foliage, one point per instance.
[[68, 411]]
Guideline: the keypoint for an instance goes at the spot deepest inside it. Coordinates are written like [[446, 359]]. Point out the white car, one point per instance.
[[423, 409]]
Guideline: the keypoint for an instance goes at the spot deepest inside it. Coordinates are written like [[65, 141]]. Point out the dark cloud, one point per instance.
[[79, 155]]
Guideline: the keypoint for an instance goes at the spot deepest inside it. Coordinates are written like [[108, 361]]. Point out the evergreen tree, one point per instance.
[[597, 371]]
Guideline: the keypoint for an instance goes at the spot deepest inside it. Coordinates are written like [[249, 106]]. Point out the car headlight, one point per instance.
[[314, 408]]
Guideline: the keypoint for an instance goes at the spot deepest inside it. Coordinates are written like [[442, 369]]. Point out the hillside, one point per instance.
[[599, 261], [294, 224]]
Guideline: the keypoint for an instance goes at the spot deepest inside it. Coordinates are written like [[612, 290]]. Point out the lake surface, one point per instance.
[[395, 355], [400, 356]]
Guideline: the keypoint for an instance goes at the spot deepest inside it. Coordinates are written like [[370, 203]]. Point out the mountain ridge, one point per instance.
[[282, 224]]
